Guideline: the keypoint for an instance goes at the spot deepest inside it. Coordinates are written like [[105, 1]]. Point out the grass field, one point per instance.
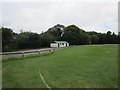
[[85, 66]]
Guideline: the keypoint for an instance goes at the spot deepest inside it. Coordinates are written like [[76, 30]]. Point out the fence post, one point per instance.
[[38, 52], [23, 54], [52, 50]]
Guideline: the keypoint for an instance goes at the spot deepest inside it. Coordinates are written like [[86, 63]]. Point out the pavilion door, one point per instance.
[[58, 45]]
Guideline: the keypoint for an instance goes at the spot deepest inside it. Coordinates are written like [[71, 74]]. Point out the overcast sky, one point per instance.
[[39, 16]]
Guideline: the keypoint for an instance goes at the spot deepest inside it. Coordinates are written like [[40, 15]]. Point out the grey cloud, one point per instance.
[[40, 16]]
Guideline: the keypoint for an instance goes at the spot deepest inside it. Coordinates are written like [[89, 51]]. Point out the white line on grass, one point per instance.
[[44, 80]]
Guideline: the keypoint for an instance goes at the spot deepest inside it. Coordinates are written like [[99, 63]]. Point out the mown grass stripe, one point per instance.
[[44, 80]]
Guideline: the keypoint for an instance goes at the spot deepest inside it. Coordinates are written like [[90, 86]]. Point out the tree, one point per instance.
[[8, 39], [28, 40], [94, 39], [72, 34], [46, 38], [114, 38], [118, 39], [109, 37], [102, 39], [57, 31], [109, 33]]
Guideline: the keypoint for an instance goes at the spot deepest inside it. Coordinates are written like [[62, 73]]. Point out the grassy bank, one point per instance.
[[87, 66]]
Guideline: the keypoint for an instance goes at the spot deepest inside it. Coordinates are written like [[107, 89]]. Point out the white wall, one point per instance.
[[53, 45], [67, 44], [60, 45]]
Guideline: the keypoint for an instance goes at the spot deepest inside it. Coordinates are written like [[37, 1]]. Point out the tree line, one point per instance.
[[72, 34]]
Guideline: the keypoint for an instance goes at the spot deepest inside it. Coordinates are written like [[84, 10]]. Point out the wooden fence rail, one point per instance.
[[22, 53]]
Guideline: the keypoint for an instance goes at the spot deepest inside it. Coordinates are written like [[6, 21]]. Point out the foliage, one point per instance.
[[28, 40], [94, 39], [72, 33], [8, 39], [46, 38], [57, 31]]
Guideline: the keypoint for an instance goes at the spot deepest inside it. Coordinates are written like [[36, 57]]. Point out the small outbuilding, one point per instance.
[[59, 44]]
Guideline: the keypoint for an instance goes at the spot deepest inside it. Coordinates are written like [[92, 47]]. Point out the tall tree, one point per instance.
[[46, 38], [57, 31], [28, 40], [72, 34], [94, 39], [8, 39]]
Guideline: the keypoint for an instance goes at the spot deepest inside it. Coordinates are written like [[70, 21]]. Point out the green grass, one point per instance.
[[85, 66]]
